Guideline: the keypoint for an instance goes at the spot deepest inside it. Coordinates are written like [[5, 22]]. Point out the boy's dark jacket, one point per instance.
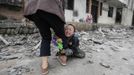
[[73, 43]]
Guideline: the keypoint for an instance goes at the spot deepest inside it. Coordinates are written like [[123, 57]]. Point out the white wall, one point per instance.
[[127, 17], [131, 4], [104, 19], [68, 15], [124, 1], [80, 6]]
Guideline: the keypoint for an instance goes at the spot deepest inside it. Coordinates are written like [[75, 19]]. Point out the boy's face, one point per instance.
[[69, 31]]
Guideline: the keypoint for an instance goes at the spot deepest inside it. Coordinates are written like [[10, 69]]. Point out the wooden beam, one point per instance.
[[90, 6], [23, 5], [36, 47], [99, 9], [4, 41]]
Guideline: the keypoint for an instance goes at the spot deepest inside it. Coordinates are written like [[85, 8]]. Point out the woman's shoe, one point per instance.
[[62, 59], [44, 71], [44, 66]]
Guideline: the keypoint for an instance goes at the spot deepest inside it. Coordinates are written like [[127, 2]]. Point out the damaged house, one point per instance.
[[116, 12], [11, 9], [103, 11]]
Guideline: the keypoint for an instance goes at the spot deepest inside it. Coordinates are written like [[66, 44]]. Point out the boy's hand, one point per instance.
[[60, 52], [68, 52]]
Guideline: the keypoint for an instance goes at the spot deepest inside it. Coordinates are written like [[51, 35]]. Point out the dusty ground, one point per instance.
[[109, 51]]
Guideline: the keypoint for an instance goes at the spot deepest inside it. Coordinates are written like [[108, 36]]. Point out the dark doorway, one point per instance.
[[94, 11], [70, 4], [87, 6], [118, 15], [133, 19]]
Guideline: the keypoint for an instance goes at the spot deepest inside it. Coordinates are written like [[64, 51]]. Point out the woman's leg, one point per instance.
[[44, 29], [58, 26], [44, 65]]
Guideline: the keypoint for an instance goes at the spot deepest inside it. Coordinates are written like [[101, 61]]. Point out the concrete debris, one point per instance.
[[115, 49], [37, 46], [105, 65], [125, 59], [18, 70], [1, 38], [97, 41], [9, 58], [90, 61], [112, 45]]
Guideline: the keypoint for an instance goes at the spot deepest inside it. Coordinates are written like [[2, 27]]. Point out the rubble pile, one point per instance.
[[108, 49], [13, 28]]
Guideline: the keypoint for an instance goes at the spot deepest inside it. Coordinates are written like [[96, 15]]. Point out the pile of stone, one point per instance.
[[11, 28]]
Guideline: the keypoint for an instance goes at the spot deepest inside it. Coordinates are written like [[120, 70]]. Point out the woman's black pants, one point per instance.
[[44, 21]]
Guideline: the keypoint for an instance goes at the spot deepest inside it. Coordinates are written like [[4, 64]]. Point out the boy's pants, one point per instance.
[[44, 21], [79, 53]]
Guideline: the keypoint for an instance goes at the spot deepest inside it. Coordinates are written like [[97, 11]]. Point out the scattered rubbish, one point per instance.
[[115, 49], [105, 65], [1, 38], [131, 74], [125, 59], [90, 61], [101, 44]]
